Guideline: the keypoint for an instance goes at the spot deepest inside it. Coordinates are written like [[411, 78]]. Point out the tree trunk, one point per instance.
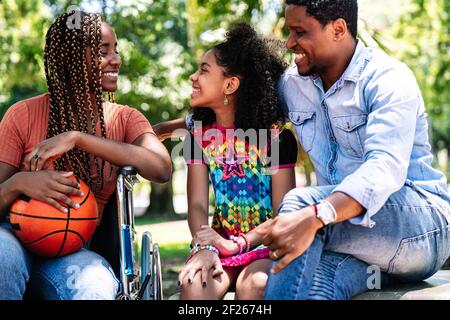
[[161, 200]]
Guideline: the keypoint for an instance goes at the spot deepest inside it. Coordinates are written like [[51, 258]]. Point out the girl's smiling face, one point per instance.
[[209, 83]]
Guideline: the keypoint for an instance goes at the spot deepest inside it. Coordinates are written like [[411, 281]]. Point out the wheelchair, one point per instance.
[[116, 240]]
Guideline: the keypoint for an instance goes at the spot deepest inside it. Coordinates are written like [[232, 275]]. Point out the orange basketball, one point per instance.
[[49, 232]]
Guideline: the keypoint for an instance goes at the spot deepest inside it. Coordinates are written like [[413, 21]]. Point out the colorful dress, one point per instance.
[[240, 171]]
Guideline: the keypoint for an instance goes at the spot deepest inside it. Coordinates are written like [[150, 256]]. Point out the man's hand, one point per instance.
[[290, 235]]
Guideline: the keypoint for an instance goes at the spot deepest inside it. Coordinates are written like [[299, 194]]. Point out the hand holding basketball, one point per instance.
[[47, 232], [52, 187]]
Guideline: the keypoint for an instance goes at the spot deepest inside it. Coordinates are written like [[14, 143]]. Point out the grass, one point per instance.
[[173, 257], [140, 221]]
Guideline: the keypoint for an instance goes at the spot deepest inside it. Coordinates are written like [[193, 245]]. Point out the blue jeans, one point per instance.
[[410, 242], [83, 275]]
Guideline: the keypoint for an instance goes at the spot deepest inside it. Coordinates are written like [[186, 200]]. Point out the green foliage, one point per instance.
[[23, 24], [420, 38], [424, 44], [153, 44]]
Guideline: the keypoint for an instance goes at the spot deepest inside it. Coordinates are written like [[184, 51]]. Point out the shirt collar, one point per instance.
[[354, 69], [357, 64]]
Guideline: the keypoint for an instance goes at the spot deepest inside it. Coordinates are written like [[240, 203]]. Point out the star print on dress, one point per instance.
[[232, 166]]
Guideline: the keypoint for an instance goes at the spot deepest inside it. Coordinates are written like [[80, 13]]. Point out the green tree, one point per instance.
[[24, 24], [424, 44], [420, 38]]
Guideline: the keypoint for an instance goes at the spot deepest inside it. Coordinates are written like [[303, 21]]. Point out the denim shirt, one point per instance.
[[368, 134]]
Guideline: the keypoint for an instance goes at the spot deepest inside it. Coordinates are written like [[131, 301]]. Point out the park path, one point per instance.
[[168, 232]]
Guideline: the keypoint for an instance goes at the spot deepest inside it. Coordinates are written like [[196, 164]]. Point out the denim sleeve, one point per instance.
[[393, 99]]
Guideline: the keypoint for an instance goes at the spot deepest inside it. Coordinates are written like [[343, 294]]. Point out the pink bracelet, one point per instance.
[[235, 240], [247, 242]]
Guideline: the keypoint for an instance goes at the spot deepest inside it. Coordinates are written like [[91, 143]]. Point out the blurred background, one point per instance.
[[160, 42]]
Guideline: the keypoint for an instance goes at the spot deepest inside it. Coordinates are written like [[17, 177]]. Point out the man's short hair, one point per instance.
[[326, 11]]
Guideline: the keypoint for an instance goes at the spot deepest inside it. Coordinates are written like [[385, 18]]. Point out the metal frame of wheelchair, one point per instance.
[[137, 281]]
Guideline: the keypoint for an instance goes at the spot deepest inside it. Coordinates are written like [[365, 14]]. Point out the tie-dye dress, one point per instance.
[[240, 171]]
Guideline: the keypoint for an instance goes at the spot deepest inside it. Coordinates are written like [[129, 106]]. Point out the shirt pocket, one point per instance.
[[349, 133], [305, 123]]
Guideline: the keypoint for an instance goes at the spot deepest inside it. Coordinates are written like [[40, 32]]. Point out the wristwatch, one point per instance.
[[326, 212]]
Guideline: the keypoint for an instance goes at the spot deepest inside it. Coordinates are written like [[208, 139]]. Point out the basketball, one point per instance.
[[49, 232]]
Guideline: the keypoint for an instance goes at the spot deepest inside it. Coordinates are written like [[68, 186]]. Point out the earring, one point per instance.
[[111, 97], [225, 101]]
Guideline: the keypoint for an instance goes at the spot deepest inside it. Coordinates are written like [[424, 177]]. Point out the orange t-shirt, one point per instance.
[[25, 124]]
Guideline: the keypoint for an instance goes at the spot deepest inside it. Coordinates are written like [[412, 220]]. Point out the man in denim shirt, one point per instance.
[[379, 206]]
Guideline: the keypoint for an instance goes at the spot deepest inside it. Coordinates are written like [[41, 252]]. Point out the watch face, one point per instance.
[[326, 213]]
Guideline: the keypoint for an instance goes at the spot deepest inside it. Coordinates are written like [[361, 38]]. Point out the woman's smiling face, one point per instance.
[[110, 61]]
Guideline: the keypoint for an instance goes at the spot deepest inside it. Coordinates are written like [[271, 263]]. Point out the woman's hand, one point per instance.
[[47, 151], [207, 235], [52, 187], [203, 261]]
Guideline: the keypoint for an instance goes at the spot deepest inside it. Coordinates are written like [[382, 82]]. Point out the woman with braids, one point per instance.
[[69, 131], [234, 91]]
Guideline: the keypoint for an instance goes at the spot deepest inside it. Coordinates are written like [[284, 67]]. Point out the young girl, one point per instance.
[[73, 130], [234, 90]]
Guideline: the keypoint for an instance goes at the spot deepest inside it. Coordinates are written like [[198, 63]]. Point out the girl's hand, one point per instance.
[[47, 151], [52, 187], [203, 261], [207, 235]]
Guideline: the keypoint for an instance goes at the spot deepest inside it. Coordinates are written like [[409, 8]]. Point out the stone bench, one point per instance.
[[435, 288]]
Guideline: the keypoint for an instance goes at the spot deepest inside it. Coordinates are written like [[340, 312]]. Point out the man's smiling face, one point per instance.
[[311, 42]]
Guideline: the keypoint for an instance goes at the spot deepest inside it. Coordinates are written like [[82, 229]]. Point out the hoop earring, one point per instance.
[[111, 97], [225, 101]]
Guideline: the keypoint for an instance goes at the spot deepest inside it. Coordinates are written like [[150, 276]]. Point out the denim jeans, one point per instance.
[[409, 242], [83, 275]]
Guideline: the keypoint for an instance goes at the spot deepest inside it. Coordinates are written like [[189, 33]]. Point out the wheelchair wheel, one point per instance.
[[157, 275], [151, 273], [146, 264]]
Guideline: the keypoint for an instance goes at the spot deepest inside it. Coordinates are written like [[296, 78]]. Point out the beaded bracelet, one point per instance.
[[247, 242], [209, 247], [235, 240]]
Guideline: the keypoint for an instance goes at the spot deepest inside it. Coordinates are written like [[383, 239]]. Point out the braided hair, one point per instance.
[[69, 87], [250, 58]]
